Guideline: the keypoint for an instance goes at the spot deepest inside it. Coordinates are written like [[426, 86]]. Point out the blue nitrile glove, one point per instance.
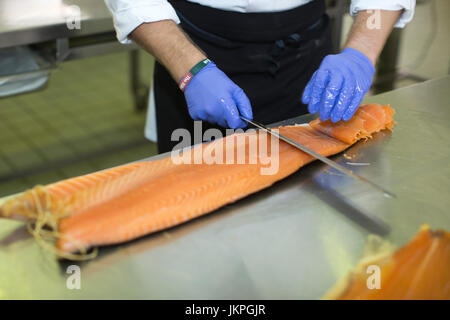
[[213, 97], [337, 88]]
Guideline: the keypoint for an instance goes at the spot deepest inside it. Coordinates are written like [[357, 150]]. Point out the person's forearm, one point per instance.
[[370, 32], [169, 45]]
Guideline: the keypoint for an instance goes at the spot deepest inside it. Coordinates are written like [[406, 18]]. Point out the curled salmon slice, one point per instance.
[[419, 270]]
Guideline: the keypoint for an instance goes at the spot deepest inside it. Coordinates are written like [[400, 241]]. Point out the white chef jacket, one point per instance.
[[129, 14]]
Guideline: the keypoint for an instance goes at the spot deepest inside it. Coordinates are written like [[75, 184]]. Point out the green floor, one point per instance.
[[83, 121]]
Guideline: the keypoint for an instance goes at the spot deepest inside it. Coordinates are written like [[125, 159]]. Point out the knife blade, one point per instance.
[[318, 156]]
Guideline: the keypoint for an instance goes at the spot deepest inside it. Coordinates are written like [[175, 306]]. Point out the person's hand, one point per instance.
[[213, 97], [337, 88]]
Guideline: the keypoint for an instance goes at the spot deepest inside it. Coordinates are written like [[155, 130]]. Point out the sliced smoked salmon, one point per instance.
[[420, 270], [133, 200], [369, 119]]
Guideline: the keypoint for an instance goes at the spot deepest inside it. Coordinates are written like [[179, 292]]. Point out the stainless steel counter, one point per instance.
[[48, 26], [293, 240], [30, 21]]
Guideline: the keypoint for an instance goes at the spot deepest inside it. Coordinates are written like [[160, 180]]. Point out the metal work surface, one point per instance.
[[31, 21], [293, 240]]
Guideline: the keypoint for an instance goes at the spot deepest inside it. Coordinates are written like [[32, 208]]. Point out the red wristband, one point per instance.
[[194, 70]]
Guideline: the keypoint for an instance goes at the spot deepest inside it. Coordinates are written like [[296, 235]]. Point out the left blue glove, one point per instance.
[[213, 97], [337, 88]]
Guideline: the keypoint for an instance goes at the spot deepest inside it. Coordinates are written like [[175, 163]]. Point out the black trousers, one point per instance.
[[271, 56]]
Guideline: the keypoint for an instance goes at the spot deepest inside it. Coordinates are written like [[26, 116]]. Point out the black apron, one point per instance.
[[271, 56]]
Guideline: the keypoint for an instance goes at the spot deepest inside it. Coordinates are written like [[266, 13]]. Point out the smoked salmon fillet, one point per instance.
[[133, 200], [419, 270]]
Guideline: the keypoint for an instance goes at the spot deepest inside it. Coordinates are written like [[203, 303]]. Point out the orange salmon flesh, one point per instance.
[[133, 200], [419, 270]]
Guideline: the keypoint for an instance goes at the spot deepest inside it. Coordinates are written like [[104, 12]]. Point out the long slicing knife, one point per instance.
[[329, 162]]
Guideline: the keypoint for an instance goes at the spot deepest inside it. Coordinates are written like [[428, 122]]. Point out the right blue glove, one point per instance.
[[337, 88], [213, 97]]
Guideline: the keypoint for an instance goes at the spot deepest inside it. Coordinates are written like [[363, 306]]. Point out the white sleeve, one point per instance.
[[129, 14], [392, 5]]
